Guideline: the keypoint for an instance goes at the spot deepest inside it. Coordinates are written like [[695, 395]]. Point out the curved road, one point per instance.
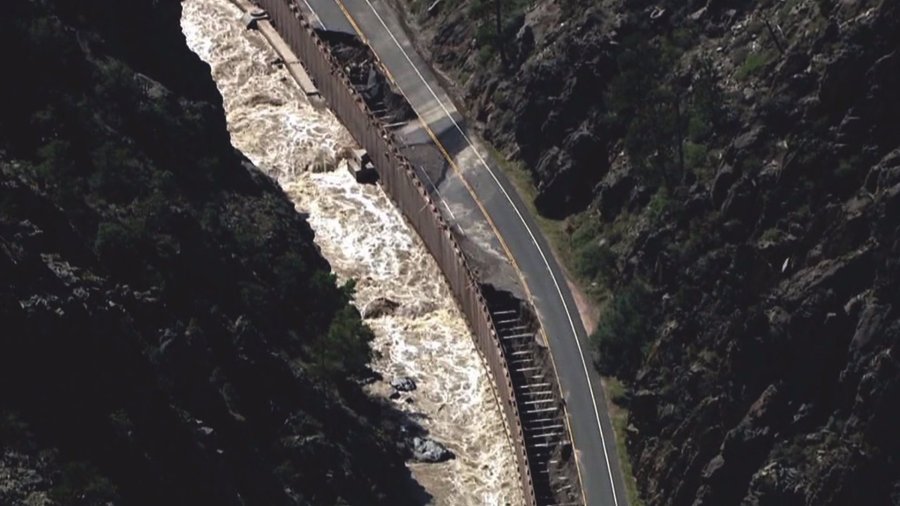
[[591, 430]]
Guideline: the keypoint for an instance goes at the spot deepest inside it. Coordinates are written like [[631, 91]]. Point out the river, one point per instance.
[[365, 238]]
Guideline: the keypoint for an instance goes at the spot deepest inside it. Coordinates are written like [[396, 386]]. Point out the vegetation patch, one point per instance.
[[624, 331], [83, 483], [753, 64], [498, 22], [616, 392]]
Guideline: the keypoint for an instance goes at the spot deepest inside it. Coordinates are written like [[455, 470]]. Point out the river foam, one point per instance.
[[365, 238]]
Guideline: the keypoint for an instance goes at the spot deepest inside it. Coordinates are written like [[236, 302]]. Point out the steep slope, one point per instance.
[[170, 335], [729, 177]]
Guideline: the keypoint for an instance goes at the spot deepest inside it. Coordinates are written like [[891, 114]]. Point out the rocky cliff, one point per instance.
[[728, 173], [170, 334]]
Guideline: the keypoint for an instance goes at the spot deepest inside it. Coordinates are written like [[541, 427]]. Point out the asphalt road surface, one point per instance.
[[592, 432]]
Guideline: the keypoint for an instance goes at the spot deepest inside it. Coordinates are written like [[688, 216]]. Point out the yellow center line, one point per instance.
[[484, 212]]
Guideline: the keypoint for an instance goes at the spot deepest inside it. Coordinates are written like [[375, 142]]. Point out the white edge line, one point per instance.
[[314, 13], [530, 233]]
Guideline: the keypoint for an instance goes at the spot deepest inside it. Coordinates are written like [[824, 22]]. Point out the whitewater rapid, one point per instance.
[[365, 238]]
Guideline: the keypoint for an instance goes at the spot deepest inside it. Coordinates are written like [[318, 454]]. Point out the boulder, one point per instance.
[[775, 483], [847, 275], [726, 177], [429, 450], [524, 42], [740, 204], [403, 384], [885, 173], [748, 139], [869, 327], [567, 174], [382, 306], [614, 193]]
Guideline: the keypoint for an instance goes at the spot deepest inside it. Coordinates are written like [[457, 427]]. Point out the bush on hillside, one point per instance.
[[625, 328]]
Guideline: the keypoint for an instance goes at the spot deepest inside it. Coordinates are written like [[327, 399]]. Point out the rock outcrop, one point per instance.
[[381, 306], [429, 450], [403, 384]]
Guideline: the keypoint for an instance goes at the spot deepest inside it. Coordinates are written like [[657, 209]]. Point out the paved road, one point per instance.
[[592, 431]]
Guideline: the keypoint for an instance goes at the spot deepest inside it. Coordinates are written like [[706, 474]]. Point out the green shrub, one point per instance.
[[486, 37], [55, 161], [753, 64], [825, 7], [595, 261], [485, 54], [624, 330], [659, 204], [694, 155], [118, 246], [82, 483], [590, 257], [771, 235], [116, 173], [291, 274], [705, 110], [346, 349], [849, 169], [12, 428], [698, 127], [586, 229]]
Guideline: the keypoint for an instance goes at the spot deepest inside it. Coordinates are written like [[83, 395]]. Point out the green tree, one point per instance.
[[119, 247], [346, 349], [659, 112], [625, 329], [641, 99], [497, 23], [83, 483]]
